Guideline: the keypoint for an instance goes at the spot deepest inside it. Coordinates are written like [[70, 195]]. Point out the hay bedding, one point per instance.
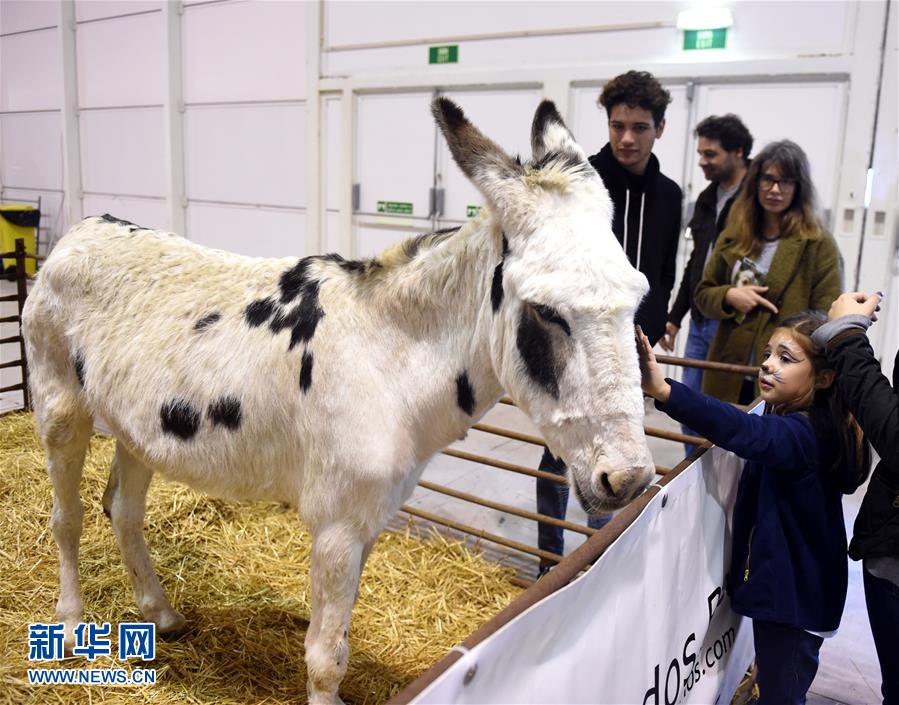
[[238, 572]]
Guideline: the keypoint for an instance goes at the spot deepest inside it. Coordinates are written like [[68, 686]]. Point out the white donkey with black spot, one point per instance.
[[329, 384]]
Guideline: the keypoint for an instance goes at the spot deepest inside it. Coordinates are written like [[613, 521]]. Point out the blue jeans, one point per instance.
[[787, 659], [552, 500], [698, 341], [882, 599]]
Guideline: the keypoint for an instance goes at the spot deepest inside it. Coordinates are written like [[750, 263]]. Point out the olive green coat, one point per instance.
[[804, 274]]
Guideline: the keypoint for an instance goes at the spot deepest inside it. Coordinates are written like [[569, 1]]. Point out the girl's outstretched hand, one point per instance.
[[652, 380]]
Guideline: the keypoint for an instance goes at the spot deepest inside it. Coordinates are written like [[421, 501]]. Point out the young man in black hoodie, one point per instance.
[[646, 221], [723, 145]]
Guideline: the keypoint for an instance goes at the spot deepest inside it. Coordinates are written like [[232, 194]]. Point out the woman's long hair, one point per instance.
[[745, 221], [826, 408]]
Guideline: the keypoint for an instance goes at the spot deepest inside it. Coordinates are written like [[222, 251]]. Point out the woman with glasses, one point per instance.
[[773, 260]]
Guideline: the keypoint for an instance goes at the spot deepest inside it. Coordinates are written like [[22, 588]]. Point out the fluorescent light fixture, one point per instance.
[[869, 185], [705, 18]]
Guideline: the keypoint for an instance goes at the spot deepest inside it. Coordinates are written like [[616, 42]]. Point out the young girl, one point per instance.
[[788, 567]]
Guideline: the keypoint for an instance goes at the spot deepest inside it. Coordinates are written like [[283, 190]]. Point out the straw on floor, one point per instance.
[[239, 573]]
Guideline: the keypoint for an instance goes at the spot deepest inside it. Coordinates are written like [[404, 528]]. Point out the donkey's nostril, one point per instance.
[[604, 479]]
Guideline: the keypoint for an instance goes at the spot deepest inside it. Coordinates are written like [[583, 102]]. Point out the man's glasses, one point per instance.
[[766, 183]]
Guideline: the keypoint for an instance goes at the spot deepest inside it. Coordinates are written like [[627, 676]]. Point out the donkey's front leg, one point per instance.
[[336, 567]]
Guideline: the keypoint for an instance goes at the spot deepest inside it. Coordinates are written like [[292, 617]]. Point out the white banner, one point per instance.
[[648, 624]]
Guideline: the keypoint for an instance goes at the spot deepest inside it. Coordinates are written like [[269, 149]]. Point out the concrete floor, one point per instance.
[[849, 672]]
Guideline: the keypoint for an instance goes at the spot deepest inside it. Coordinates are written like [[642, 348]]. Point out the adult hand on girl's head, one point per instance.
[[855, 302], [651, 377]]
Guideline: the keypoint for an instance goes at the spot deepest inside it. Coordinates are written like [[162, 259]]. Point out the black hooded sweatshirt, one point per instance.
[[647, 224]]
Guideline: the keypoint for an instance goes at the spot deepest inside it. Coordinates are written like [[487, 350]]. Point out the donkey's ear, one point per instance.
[[488, 167], [549, 134]]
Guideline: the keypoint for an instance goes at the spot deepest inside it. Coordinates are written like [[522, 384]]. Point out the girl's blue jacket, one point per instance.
[[789, 561]]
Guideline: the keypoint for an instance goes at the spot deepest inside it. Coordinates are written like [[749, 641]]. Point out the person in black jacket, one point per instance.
[[647, 203], [724, 145], [875, 541], [646, 221]]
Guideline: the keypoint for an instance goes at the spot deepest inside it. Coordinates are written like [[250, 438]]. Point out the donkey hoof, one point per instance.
[[170, 625]]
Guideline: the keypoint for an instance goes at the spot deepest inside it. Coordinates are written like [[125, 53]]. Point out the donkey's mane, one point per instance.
[[426, 267]]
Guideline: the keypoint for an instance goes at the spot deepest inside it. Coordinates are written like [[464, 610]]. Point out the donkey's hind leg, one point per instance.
[[125, 499]]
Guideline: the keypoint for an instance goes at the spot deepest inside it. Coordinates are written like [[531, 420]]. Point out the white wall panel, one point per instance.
[[590, 125], [121, 61], [359, 21], [247, 154], [331, 239], [30, 78], [122, 151], [97, 9], [810, 114], [22, 15], [257, 232], [395, 150], [505, 116], [31, 150], [244, 51], [146, 212], [759, 30], [332, 161]]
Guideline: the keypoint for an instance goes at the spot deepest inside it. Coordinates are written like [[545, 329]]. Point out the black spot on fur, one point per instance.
[[535, 347], [550, 315], [496, 288], [283, 319], [180, 419], [306, 316], [207, 321], [112, 219], [78, 362], [226, 412], [259, 312], [306, 372], [293, 280], [351, 266], [465, 394]]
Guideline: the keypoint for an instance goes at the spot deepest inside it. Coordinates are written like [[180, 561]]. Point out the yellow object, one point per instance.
[[9, 233]]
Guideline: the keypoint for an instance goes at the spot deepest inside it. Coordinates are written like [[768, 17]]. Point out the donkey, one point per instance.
[[328, 384]]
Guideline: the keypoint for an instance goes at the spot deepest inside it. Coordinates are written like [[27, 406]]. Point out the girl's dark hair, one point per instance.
[[800, 220], [827, 409]]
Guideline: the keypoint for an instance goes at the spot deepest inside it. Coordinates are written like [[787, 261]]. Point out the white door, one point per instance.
[[394, 167]]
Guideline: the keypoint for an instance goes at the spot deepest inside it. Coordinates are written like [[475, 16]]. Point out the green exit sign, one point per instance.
[[448, 54], [472, 211], [705, 38], [398, 207]]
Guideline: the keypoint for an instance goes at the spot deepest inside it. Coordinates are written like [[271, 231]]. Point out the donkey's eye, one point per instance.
[[550, 315]]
